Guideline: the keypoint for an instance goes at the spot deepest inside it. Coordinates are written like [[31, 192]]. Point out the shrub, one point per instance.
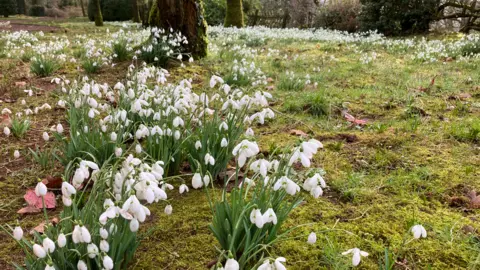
[[215, 11], [8, 7], [112, 10], [396, 17], [339, 15], [37, 11]]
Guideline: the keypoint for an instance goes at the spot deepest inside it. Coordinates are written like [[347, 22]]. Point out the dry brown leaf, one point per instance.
[[297, 132]]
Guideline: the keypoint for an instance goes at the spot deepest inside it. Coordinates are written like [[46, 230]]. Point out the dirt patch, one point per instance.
[[14, 26], [349, 138]]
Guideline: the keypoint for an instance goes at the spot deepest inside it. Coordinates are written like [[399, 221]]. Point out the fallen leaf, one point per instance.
[[5, 121], [297, 132], [474, 199], [350, 118], [270, 80], [270, 87], [20, 84], [29, 210], [40, 228], [36, 201], [53, 182]]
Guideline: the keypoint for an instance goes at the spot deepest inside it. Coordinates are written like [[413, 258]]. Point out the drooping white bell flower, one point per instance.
[[118, 151], [104, 246], [419, 231], [278, 264], [198, 145], [39, 251], [113, 137], [61, 240], [245, 149], [214, 80], [209, 159], [224, 143], [45, 136], [260, 166], [183, 188], [168, 209], [265, 265], [16, 154], [18, 233], [92, 250], [107, 262], [232, 264], [81, 234], [59, 128], [249, 132], [312, 238], [270, 216], [357, 254], [138, 148], [48, 245], [197, 181], [287, 184], [256, 218], [81, 265], [40, 189], [134, 225], [49, 267], [6, 131], [103, 233]]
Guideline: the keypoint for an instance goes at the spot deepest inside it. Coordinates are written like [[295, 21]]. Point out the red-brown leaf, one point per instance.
[[29, 210], [36, 201], [298, 133]]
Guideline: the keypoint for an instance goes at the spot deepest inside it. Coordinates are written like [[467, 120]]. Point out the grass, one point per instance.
[[418, 152]]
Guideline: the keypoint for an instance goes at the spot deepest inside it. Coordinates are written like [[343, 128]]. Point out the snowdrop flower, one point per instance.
[[113, 136], [61, 240], [198, 145], [18, 233], [232, 264], [357, 254], [419, 231], [81, 265], [197, 181], [183, 188], [23, 102], [39, 251], [209, 159], [245, 149], [104, 246], [92, 250], [223, 126], [103, 233], [270, 216], [107, 262], [224, 143], [190, 60], [168, 209], [61, 104], [49, 267], [260, 166], [45, 136], [179, 57], [134, 225], [256, 218], [40, 189], [314, 185], [48, 245], [6, 131], [278, 263], [16, 154], [118, 151], [178, 122], [138, 148], [249, 132], [59, 128], [214, 80], [287, 184], [265, 265], [81, 235], [312, 238]]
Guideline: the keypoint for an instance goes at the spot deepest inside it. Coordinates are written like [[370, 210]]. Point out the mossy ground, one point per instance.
[[413, 163]]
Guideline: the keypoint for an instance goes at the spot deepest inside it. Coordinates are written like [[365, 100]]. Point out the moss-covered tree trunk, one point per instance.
[[136, 15], [185, 16], [234, 14], [98, 14]]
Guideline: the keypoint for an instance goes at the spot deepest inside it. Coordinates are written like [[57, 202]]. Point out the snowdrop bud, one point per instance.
[[134, 225], [197, 181], [87, 238], [312, 238], [168, 209], [23, 102], [113, 136], [49, 267], [92, 250], [39, 251], [118, 151], [104, 246], [48, 245], [81, 265], [232, 264], [183, 188], [18, 233], [224, 143], [45, 136], [16, 154], [249, 132], [206, 180], [419, 231], [40, 189], [190, 60], [6, 131], [59, 128], [107, 263], [103, 233], [138, 148], [61, 240]]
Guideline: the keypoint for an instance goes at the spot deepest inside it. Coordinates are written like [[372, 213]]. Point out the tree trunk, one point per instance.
[[234, 14], [185, 16], [136, 16], [83, 8], [98, 14]]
